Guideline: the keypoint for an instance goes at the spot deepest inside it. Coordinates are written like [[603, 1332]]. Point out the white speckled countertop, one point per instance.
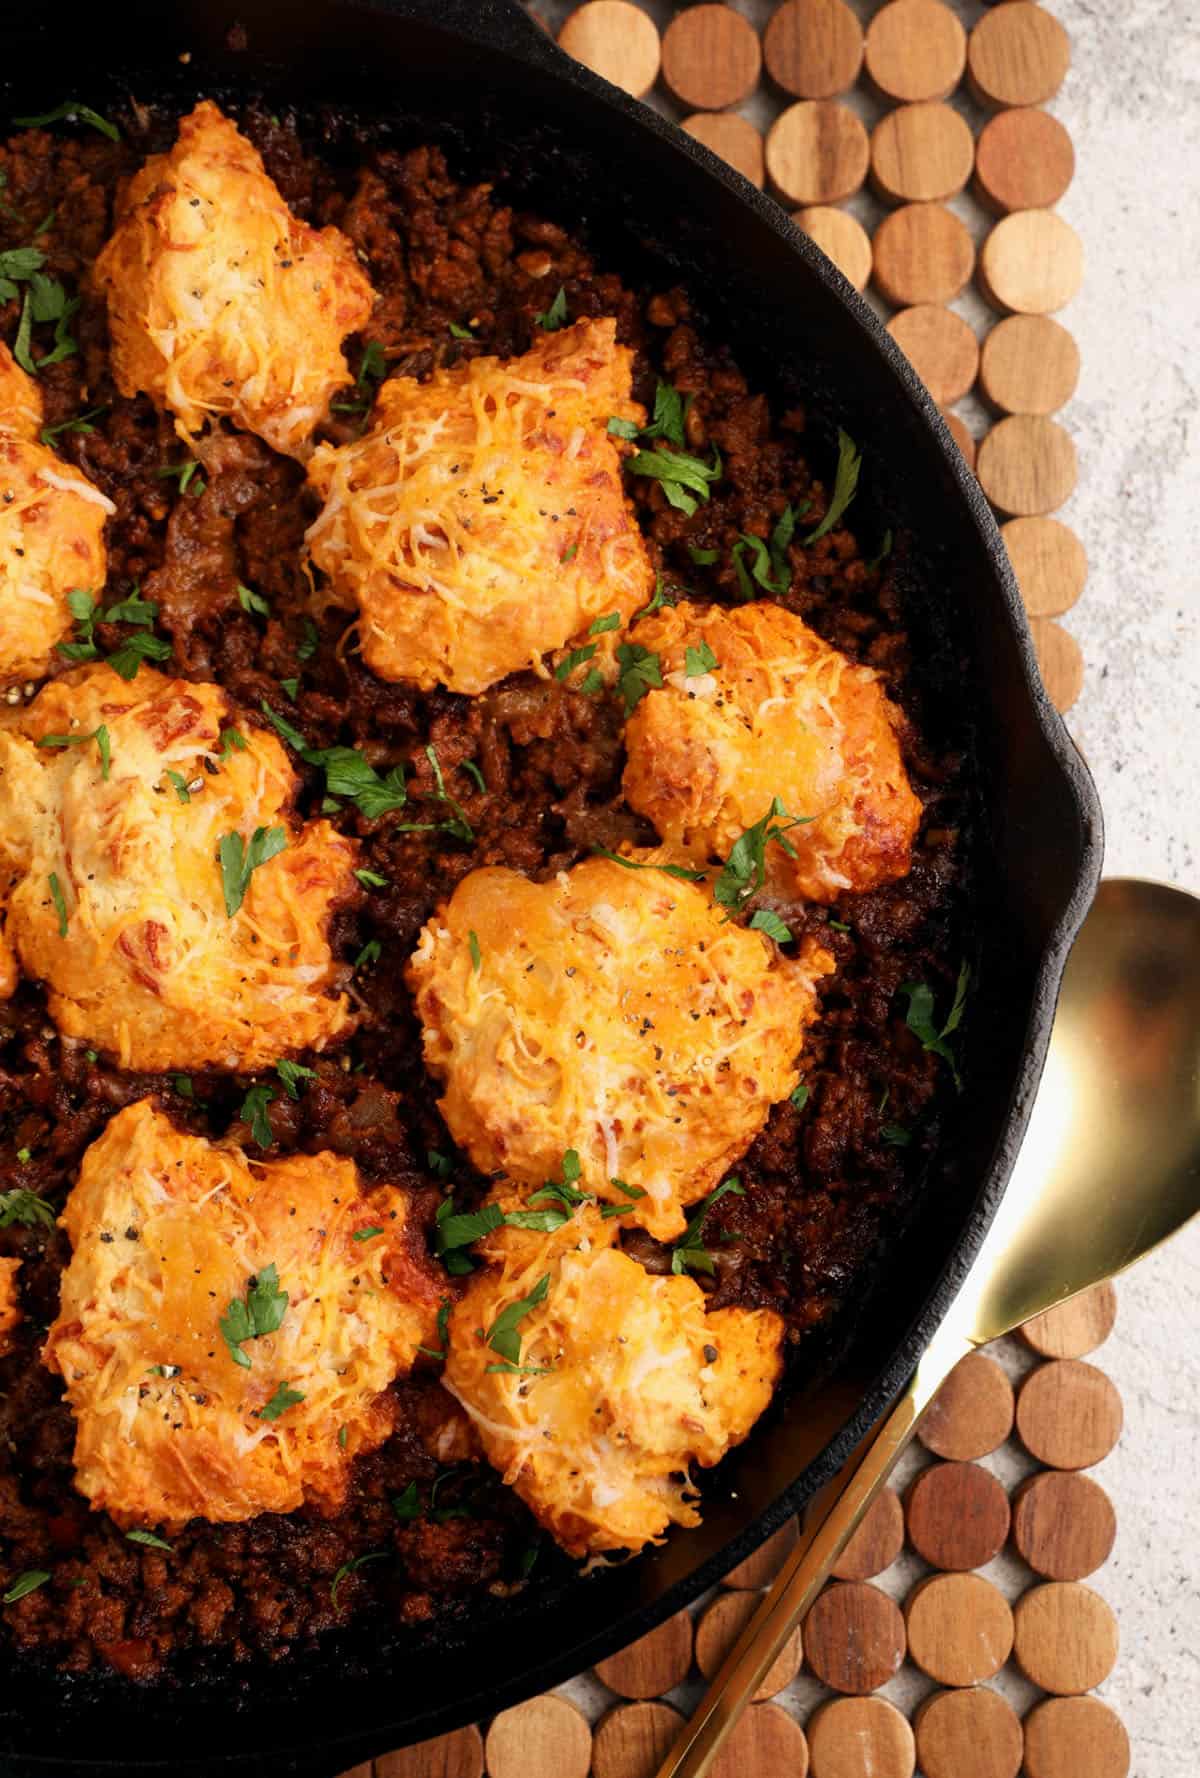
[[1132, 105]]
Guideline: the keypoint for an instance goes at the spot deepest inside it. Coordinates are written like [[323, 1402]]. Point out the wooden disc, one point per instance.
[[968, 1734], [633, 1739], [921, 153], [366, 1771], [1051, 568], [1032, 262], [710, 57], [1024, 160], [1065, 1637], [972, 1412], [760, 1569], [1066, 1737], [854, 1736], [617, 40], [841, 238], [459, 1755], [734, 138], [923, 253], [1029, 365], [1027, 464], [654, 1663], [1068, 1414], [1063, 1524], [545, 1737], [1060, 660], [876, 1543], [817, 152], [961, 437], [766, 1739], [719, 1628], [813, 48], [957, 1516], [854, 1637], [1083, 1322], [940, 346], [915, 50], [960, 1628], [1017, 55]]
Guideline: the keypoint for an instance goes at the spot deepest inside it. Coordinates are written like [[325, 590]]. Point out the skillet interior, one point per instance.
[[575, 150]]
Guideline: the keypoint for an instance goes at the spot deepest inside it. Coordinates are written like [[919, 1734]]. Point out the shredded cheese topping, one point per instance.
[[10, 1309]]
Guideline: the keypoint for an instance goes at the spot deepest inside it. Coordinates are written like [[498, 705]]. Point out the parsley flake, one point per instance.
[[671, 870], [689, 1252], [551, 319], [371, 879], [370, 953], [60, 904], [260, 1312], [22, 1208], [745, 869], [763, 920], [799, 1095], [283, 1399], [29, 1582], [684, 479], [254, 1113], [367, 1234], [640, 672], [253, 602], [186, 474], [150, 1540], [291, 1074], [502, 1336], [920, 1019], [845, 485], [575, 659], [239, 861], [71, 111], [698, 661], [355, 1563], [81, 423], [99, 735], [476, 953]]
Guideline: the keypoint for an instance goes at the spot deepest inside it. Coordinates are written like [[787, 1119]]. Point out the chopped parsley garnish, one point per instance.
[[592, 681], [81, 422], [476, 953], [24, 1156], [183, 1086], [640, 672], [187, 473], [150, 1540], [347, 773], [551, 319], [372, 369], [631, 1191], [87, 614], [371, 879], [407, 1506], [462, 1229], [18, 265], [229, 741], [458, 825], [799, 1095], [370, 953], [309, 641], [684, 479], [60, 904], [99, 735], [661, 597], [610, 621], [367, 1234], [896, 1136], [24, 1208], [180, 784], [134, 650], [745, 869], [885, 550], [291, 687], [71, 111], [355, 1562], [670, 411], [769, 566], [254, 1112], [503, 1336], [460, 333], [250, 601], [291, 1074], [443, 1332], [132, 610], [671, 870], [45, 300], [575, 659], [440, 1165], [845, 485], [283, 1399], [343, 1437], [689, 1252], [239, 861], [529, 1557], [29, 1582], [698, 661], [703, 558], [763, 920], [920, 1019], [564, 1190], [473, 772], [260, 1312]]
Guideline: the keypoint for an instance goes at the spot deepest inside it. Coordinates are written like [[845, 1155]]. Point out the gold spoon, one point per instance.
[[1110, 1167]]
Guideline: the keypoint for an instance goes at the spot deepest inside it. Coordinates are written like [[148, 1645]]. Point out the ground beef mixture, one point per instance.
[[822, 1180]]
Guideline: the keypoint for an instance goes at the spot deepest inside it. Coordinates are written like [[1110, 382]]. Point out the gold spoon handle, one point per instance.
[[832, 1521]]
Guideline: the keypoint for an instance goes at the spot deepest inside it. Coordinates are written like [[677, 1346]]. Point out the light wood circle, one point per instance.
[[1024, 160], [364, 1771], [854, 1637], [633, 1739], [766, 1739], [921, 153], [718, 1629], [1027, 465], [458, 1755], [940, 346], [1031, 262], [923, 254], [842, 238], [1065, 1637], [1063, 1524], [1066, 1737], [734, 138], [654, 1663], [1017, 55], [961, 437], [711, 57], [1029, 365], [1060, 660], [916, 49], [957, 1516], [1050, 564], [545, 1737], [616, 40], [972, 1412], [760, 1569], [851, 1737], [876, 1543], [960, 1628], [974, 1733], [1069, 1414], [817, 152], [813, 48], [1078, 1326]]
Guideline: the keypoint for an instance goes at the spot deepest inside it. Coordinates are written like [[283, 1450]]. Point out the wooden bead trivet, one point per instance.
[[854, 1637], [1032, 262], [457, 1755], [633, 1740], [766, 1740], [654, 1663], [1083, 1322], [1063, 1524], [921, 154], [1068, 1414], [960, 1628], [923, 253], [817, 152], [546, 1737], [968, 1734], [940, 346], [876, 1543], [957, 1516], [734, 138], [1064, 1637], [710, 57], [1029, 365], [1051, 568], [719, 1628], [1027, 465], [616, 40], [760, 1569], [853, 1737], [1018, 54], [813, 49], [971, 1414], [841, 238], [1068, 1737], [1060, 660], [961, 437], [915, 49], [1024, 160]]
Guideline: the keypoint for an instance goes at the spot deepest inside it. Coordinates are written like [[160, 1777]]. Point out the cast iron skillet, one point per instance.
[[482, 79]]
